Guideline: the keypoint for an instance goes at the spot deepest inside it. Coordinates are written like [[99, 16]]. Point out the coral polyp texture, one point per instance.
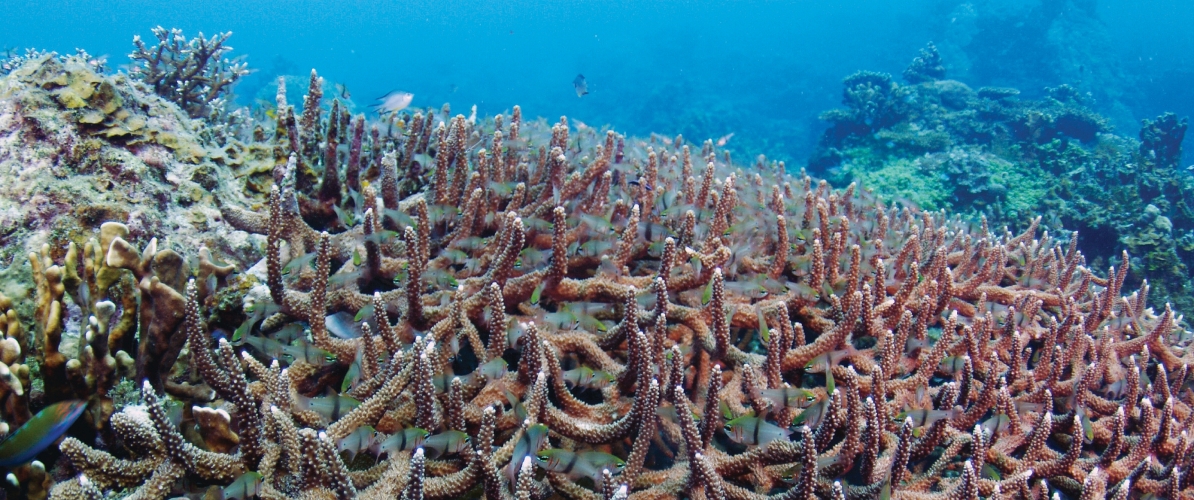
[[506, 308]]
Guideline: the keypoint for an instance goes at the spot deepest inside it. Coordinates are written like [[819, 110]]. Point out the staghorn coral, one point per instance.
[[193, 73], [921, 354], [552, 292]]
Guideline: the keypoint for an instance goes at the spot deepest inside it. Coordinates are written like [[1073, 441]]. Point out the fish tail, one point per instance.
[[436, 449]]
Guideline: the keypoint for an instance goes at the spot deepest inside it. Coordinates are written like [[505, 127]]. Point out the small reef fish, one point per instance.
[[791, 475], [514, 335], [528, 445], [754, 430], [593, 248], [669, 412], [39, 432], [442, 381], [306, 260], [603, 460], [393, 102], [408, 439], [356, 441], [952, 365], [306, 352], [247, 486], [342, 325], [914, 344], [830, 359], [342, 91], [288, 333], [640, 183], [997, 424], [331, 407], [173, 412], [581, 86], [520, 411], [577, 465], [1024, 407], [446, 443], [750, 289], [1115, 390], [588, 378], [789, 397], [493, 369], [345, 277], [353, 377], [721, 141], [922, 417], [814, 414], [275, 349]]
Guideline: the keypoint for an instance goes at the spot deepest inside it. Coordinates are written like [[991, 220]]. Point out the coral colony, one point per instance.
[[454, 309]]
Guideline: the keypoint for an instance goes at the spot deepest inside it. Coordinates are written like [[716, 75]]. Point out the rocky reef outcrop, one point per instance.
[[939, 144]]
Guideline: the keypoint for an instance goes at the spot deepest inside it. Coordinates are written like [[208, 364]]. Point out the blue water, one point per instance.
[[760, 70]]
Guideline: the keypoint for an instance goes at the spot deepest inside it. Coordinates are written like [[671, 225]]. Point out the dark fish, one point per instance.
[[343, 91], [582, 87]]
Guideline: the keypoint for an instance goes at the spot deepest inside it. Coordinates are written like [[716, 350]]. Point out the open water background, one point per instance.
[[760, 70]]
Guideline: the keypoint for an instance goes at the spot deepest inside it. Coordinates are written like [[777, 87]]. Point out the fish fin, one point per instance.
[[434, 450], [385, 95]]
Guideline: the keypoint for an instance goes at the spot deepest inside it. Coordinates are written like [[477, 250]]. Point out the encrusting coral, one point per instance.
[[80, 147], [529, 317]]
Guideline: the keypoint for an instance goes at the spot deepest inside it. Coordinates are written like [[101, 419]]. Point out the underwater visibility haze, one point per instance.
[[596, 250]]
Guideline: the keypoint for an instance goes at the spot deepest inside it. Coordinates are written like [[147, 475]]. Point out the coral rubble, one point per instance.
[[509, 308]]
